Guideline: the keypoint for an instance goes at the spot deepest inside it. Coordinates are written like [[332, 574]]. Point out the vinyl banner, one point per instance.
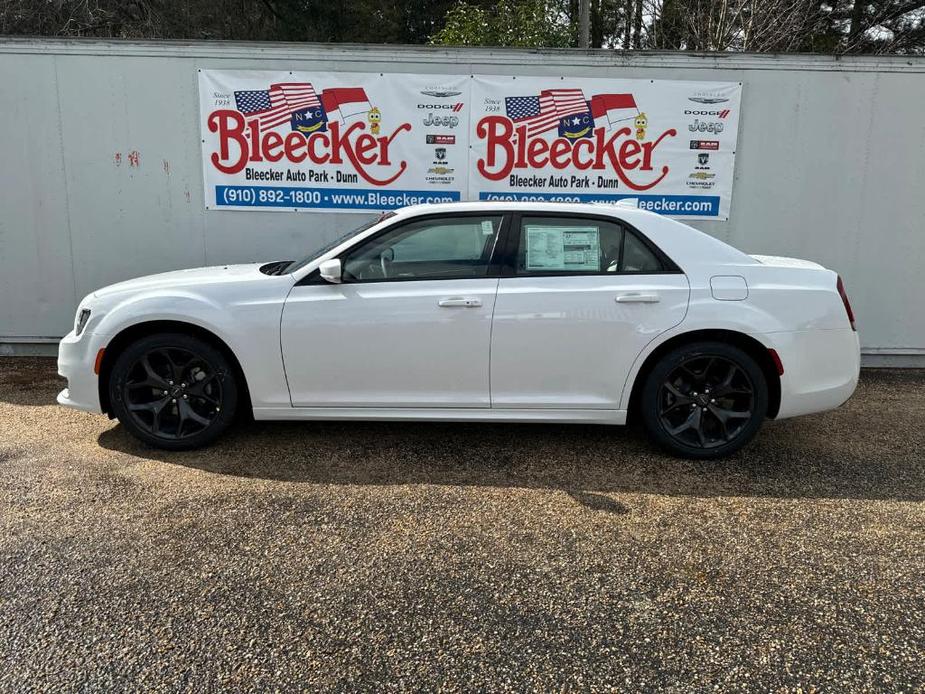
[[670, 145], [338, 141], [331, 141]]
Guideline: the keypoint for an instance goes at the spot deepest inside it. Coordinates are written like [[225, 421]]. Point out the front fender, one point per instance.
[[248, 327], [184, 307]]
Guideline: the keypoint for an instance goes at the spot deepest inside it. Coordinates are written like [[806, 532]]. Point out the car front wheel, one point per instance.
[[704, 400], [173, 391]]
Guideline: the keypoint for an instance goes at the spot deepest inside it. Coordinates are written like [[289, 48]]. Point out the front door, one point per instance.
[[410, 326], [582, 298]]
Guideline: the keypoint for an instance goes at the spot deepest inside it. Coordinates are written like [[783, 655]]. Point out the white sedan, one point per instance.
[[520, 312]]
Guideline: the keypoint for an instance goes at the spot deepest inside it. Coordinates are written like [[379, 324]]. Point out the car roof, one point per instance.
[[619, 211], [685, 245]]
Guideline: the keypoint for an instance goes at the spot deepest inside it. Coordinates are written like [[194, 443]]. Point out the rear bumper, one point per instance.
[[821, 369], [76, 358]]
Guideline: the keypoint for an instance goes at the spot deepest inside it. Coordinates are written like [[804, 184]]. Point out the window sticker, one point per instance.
[[563, 248], [488, 227]]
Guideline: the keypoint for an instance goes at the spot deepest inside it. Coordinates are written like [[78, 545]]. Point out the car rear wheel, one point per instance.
[[173, 391], [704, 400]]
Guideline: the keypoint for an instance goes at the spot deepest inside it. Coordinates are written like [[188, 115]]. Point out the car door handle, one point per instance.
[[462, 301], [638, 298]]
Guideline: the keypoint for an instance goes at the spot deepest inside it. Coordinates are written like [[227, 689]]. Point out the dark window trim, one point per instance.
[[513, 244], [491, 267], [503, 258], [507, 256], [313, 277]]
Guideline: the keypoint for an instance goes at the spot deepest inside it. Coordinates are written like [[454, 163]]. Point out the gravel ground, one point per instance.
[[460, 557]]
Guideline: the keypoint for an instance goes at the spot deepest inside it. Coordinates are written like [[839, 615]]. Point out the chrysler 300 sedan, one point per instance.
[[504, 312]]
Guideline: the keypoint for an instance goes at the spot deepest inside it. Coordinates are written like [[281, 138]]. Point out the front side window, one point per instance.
[[444, 248], [559, 245], [299, 264]]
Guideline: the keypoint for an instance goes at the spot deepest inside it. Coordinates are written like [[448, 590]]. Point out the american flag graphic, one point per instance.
[[543, 112], [273, 106]]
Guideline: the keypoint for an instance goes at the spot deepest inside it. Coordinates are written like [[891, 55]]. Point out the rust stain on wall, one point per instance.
[[166, 167], [134, 158], [118, 158]]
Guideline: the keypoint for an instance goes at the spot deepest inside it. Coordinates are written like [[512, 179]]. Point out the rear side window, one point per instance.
[[637, 257], [560, 245]]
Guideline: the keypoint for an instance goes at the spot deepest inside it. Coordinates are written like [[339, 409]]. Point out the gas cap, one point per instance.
[[729, 287]]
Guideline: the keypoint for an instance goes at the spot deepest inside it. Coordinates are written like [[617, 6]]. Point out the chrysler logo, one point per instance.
[[707, 99], [440, 94]]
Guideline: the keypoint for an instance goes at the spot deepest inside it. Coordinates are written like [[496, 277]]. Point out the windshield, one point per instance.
[[336, 242]]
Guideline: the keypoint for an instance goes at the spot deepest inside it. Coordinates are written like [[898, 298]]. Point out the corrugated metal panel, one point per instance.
[[102, 177], [37, 292]]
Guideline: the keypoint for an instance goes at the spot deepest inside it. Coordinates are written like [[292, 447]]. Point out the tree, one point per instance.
[[739, 25], [842, 26], [819, 26], [362, 21], [524, 23], [882, 26], [845, 26]]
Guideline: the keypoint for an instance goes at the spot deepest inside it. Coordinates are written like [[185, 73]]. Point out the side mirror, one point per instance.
[[331, 271]]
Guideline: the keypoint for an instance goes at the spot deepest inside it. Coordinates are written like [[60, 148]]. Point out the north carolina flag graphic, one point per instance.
[[345, 103], [616, 107]]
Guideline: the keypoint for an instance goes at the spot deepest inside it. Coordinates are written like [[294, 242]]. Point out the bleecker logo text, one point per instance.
[[510, 148], [241, 142]]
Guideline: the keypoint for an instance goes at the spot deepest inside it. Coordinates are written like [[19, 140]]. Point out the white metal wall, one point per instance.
[[100, 178]]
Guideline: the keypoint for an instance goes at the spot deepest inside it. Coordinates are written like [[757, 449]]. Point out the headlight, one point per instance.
[[82, 319]]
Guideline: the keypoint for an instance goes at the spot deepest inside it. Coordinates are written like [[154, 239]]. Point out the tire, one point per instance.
[[173, 391], [704, 400]]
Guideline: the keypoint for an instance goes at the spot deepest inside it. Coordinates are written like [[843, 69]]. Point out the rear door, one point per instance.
[[578, 300]]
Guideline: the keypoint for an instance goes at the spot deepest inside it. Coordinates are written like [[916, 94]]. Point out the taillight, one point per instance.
[[844, 299]]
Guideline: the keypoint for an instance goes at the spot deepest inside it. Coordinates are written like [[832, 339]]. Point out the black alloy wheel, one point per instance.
[[705, 400], [173, 391]]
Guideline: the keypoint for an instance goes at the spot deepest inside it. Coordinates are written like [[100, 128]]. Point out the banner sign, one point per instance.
[[331, 141], [671, 145], [361, 141]]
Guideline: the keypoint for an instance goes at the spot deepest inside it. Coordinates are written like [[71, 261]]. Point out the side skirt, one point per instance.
[[572, 416]]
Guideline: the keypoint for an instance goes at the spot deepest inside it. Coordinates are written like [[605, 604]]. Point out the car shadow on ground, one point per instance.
[[871, 448], [788, 459]]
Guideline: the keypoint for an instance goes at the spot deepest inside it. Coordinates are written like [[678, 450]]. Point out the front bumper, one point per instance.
[[76, 358]]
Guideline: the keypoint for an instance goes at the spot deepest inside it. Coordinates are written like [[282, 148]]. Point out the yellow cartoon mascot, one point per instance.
[[642, 122], [374, 118]]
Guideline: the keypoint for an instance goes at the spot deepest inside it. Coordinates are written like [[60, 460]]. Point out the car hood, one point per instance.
[[184, 278]]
